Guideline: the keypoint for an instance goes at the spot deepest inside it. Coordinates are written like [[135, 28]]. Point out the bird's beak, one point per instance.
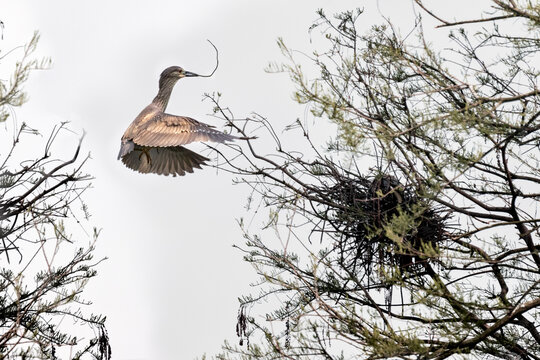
[[189, 74]]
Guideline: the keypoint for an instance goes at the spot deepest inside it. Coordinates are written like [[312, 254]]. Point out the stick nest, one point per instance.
[[383, 224]]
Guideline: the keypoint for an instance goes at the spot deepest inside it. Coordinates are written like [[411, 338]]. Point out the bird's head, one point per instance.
[[171, 75], [176, 72]]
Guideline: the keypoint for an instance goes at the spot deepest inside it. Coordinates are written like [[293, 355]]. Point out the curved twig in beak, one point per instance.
[[217, 60]]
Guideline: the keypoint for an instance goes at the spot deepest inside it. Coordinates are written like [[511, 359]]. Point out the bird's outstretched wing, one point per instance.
[[171, 130], [173, 161]]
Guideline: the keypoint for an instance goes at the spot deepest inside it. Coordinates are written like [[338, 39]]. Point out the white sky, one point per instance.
[[170, 286]]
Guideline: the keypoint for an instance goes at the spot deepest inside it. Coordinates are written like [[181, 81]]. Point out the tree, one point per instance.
[[43, 269], [415, 233]]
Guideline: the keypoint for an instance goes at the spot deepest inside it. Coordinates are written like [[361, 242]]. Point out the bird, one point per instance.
[[153, 142]]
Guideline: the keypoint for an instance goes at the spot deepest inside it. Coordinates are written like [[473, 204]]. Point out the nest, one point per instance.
[[381, 222]]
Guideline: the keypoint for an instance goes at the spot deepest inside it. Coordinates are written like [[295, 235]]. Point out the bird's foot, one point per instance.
[[146, 152]]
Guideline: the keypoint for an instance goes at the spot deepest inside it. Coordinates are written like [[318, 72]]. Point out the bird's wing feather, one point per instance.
[[171, 130], [164, 161]]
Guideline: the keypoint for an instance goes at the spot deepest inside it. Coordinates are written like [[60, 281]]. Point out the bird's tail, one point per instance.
[[126, 148]]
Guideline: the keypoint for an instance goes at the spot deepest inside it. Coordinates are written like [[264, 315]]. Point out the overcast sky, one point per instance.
[[170, 286]]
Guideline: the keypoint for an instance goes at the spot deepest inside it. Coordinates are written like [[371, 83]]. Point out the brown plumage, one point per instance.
[[153, 142]]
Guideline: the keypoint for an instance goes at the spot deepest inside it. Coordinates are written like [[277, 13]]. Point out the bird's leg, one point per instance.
[[145, 151]]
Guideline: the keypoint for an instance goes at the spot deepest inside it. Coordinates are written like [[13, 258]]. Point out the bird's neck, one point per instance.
[[162, 98]]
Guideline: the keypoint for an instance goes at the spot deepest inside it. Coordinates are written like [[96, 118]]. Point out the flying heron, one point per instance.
[[153, 142]]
